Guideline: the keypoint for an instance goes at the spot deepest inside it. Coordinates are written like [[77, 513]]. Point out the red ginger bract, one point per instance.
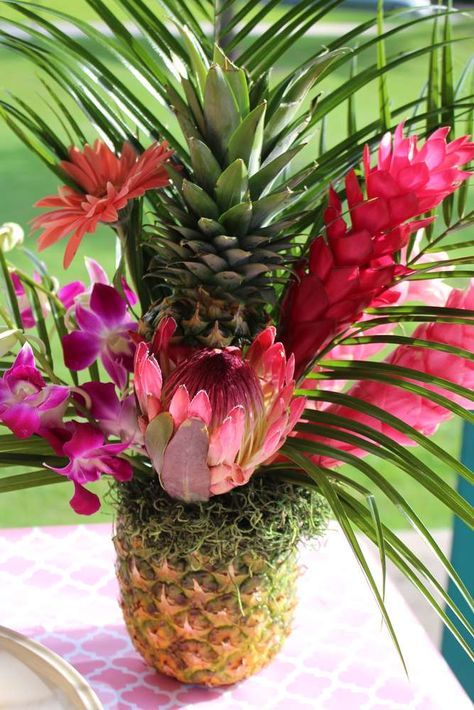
[[218, 415], [344, 274], [106, 184]]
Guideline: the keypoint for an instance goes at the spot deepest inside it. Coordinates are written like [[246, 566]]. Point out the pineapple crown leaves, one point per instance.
[[241, 139]]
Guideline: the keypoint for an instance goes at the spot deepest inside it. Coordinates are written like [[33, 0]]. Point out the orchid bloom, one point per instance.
[[344, 274], [76, 291], [114, 416], [420, 413], [106, 184], [217, 416], [103, 331], [27, 404], [89, 458]]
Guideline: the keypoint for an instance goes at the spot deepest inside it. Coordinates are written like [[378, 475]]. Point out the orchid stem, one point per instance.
[[11, 291], [133, 256]]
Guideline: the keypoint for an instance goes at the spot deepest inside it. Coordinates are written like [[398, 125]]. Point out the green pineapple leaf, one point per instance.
[[232, 185], [247, 139], [221, 110], [206, 168], [199, 201]]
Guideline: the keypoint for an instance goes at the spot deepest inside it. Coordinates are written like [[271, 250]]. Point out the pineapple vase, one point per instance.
[[208, 592]]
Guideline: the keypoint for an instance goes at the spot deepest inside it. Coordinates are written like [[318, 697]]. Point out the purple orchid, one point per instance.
[[114, 416], [104, 331], [27, 404], [68, 293], [89, 458], [76, 292], [97, 275]]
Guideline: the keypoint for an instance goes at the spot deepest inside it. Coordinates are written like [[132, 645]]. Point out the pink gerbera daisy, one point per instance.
[[106, 182]]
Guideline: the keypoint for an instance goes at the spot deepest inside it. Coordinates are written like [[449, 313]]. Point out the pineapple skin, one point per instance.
[[204, 623]]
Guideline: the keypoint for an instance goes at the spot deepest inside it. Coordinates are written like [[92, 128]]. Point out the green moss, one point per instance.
[[264, 518]]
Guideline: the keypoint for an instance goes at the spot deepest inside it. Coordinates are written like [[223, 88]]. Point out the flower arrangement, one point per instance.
[[233, 362]]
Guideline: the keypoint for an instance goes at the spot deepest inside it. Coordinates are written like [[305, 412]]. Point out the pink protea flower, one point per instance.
[[217, 416], [422, 414], [355, 265], [103, 331], [106, 183], [89, 458], [27, 404]]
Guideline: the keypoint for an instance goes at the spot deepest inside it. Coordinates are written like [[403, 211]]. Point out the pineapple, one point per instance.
[[220, 239], [208, 592], [217, 609]]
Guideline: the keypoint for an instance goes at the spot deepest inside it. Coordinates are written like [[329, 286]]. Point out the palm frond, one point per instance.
[[318, 475], [393, 547], [373, 442], [376, 413]]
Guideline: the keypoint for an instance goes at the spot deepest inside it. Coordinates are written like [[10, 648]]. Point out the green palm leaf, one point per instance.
[[393, 547], [385, 449], [329, 492], [396, 423]]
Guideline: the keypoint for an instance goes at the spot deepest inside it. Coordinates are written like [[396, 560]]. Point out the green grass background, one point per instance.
[[23, 180]]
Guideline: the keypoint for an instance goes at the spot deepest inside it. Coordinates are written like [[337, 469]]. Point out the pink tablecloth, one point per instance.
[[57, 585]]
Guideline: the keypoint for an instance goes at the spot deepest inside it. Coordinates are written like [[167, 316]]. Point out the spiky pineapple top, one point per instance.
[[225, 239]]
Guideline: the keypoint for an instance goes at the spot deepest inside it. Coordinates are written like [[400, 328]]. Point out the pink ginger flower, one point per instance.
[[409, 180], [27, 404], [217, 416], [346, 273], [427, 291], [104, 330], [420, 413], [106, 183], [90, 458]]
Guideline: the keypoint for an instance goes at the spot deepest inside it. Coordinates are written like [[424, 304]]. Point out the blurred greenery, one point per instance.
[[23, 180]]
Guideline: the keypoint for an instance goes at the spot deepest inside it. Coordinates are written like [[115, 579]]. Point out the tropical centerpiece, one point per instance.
[[270, 317]]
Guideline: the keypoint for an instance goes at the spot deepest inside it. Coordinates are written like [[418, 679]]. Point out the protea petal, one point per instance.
[[225, 441], [179, 405], [200, 407], [185, 473]]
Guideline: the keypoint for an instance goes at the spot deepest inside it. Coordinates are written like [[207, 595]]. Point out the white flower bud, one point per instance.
[[8, 339], [11, 236]]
